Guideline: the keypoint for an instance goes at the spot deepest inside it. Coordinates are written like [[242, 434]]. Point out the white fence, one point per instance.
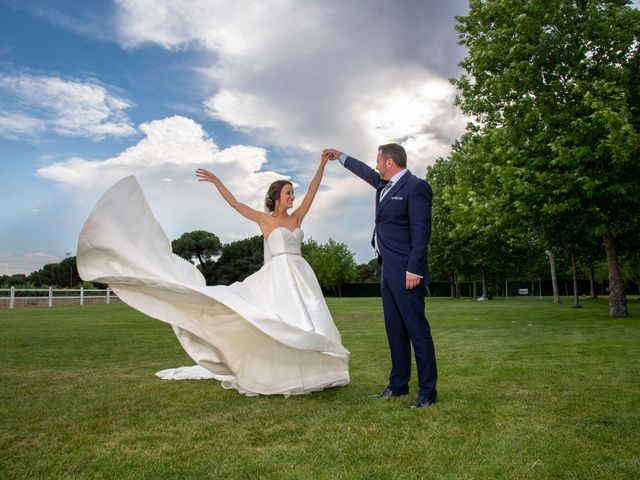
[[12, 297]]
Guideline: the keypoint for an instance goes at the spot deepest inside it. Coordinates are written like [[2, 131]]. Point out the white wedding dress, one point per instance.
[[270, 334]]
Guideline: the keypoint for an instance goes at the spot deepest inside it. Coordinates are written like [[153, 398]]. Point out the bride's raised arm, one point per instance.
[[304, 207], [243, 209]]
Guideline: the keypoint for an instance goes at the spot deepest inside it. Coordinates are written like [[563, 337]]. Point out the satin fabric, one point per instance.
[[269, 334]]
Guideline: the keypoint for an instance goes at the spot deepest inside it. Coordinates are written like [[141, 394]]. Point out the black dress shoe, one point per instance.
[[389, 393], [425, 400]]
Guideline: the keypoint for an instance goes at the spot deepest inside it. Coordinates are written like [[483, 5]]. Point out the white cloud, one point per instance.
[[14, 263], [174, 141], [312, 74], [235, 29], [415, 111], [33, 104], [295, 75], [245, 111], [164, 162], [15, 125], [344, 211], [315, 74]]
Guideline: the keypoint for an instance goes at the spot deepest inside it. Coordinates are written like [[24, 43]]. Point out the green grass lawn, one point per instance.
[[527, 390]]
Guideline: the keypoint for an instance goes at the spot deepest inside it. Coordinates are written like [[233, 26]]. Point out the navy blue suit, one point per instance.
[[402, 231]]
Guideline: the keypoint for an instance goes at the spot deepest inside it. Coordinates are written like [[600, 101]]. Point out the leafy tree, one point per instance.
[[475, 228], [15, 280], [487, 236], [368, 272], [198, 244], [590, 251], [69, 272], [62, 274], [332, 263], [444, 261], [237, 261], [632, 273], [558, 81]]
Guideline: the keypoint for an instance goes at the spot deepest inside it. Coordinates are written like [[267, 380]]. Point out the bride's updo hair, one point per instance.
[[273, 194]]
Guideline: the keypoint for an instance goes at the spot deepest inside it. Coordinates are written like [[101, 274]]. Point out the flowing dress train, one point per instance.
[[269, 334]]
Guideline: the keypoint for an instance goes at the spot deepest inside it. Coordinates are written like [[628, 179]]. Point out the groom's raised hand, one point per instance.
[[332, 153]]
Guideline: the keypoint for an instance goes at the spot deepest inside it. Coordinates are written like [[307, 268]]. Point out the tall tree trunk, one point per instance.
[[453, 285], [457, 284], [592, 283], [554, 278], [617, 297], [485, 286], [574, 274]]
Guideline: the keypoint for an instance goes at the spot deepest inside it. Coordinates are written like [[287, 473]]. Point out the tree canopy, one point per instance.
[[332, 263], [550, 87], [237, 261], [198, 244]]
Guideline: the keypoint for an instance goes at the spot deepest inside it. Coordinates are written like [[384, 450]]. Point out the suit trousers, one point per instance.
[[407, 326]]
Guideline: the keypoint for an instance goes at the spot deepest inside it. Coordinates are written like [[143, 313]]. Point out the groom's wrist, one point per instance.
[[342, 158]]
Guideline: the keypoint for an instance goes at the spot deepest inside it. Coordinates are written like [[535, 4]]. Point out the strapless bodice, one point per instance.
[[283, 241]]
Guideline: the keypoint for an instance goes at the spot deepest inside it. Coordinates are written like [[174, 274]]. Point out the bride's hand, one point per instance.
[[325, 158], [332, 153], [205, 176]]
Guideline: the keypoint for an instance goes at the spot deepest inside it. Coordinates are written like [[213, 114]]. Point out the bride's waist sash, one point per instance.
[[277, 254]]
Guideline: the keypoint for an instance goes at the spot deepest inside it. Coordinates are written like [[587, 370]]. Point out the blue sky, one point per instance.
[[94, 91]]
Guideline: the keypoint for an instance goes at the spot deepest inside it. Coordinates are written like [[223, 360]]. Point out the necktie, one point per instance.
[[386, 188]]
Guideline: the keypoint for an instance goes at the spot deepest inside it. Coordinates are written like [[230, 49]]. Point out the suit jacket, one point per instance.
[[403, 221]]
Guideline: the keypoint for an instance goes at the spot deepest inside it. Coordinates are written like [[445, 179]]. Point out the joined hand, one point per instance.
[[332, 153]]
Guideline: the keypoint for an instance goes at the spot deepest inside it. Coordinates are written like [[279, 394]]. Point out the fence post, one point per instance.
[[81, 295], [50, 297], [108, 295], [12, 299], [539, 288]]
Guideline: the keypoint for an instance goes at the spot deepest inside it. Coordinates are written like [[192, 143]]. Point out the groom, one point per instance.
[[400, 237]]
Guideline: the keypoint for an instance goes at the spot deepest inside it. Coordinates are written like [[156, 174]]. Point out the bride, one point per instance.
[[269, 334]]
